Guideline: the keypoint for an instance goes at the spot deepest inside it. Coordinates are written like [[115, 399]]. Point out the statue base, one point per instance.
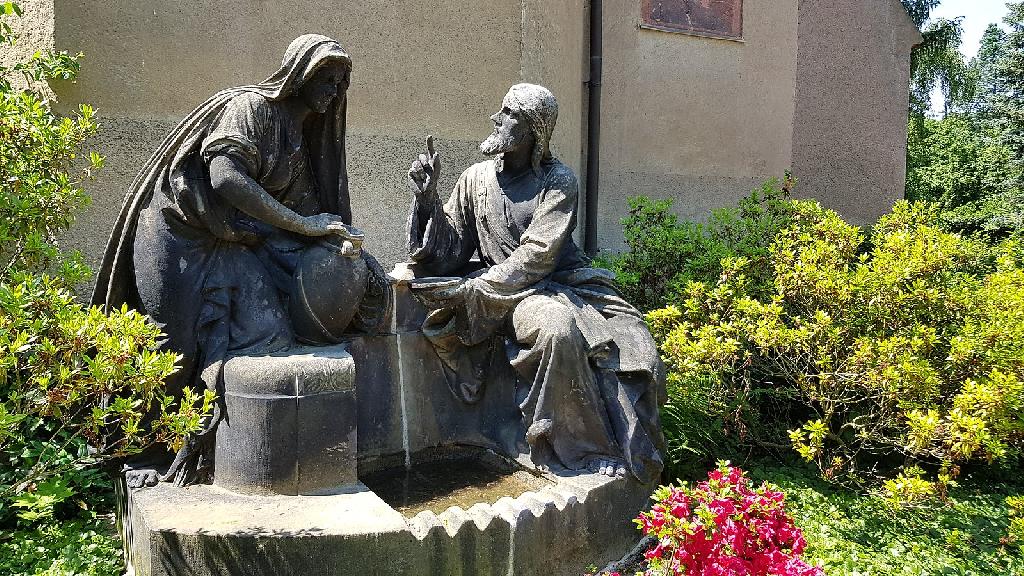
[[290, 423], [572, 522], [296, 421]]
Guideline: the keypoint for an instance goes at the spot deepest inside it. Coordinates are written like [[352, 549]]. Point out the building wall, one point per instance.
[[850, 134], [417, 70], [697, 119]]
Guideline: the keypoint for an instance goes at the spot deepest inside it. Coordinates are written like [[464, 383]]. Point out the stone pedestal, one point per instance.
[[290, 423], [558, 530]]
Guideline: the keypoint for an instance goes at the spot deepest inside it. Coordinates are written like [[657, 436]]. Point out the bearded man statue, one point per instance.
[[590, 380]]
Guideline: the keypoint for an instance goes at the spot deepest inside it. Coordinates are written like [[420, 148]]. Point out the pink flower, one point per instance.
[[724, 527]]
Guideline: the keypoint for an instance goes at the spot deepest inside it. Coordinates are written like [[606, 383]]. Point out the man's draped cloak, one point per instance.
[[526, 244]]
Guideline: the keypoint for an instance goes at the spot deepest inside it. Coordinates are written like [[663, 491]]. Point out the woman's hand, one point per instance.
[[425, 171], [324, 224]]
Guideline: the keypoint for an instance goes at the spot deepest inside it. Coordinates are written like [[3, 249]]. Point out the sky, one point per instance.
[[978, 14]]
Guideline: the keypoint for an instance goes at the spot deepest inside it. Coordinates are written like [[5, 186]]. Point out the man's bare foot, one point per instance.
[[607, 467], [141, 477]]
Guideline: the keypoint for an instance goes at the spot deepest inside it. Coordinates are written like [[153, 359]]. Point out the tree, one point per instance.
[[1008, 101], [937, 61], [985, 68], [963, 167], [920, 10], [970, 160]]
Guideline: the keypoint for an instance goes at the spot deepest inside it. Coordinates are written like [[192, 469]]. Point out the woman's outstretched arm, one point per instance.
[[232, 183]]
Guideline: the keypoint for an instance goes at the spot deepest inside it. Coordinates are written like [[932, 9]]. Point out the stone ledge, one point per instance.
[[298, 372], [204, 530]]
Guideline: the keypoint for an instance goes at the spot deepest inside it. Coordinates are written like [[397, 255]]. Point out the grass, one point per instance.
[[851, 534], [86, 546]]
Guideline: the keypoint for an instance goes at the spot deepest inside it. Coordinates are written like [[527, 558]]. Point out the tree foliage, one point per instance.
[[937, 61], [1007, 99], [990, 84], [971, 161], [963, 166]]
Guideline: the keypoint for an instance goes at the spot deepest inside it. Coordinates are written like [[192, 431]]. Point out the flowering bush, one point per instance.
[[896, 355], [724, 527]]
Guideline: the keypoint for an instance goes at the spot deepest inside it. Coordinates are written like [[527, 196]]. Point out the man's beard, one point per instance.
[[499, 142]]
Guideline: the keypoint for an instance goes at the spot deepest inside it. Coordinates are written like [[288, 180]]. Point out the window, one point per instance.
[[718, 18]]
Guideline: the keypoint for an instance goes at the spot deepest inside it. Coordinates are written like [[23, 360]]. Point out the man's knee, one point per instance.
[[546, 318]]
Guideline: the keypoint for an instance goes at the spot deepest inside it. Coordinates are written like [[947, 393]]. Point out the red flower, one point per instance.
[[724, 527]]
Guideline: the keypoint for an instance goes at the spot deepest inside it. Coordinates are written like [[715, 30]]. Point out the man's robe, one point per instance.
[[590, 378]]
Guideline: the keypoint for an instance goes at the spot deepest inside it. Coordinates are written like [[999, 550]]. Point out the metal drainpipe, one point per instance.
[[593, 129]]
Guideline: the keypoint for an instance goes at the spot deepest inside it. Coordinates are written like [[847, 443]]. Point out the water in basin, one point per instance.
[[439, 484]]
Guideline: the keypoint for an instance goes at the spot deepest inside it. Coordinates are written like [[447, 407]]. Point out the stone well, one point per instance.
[[560, 529]]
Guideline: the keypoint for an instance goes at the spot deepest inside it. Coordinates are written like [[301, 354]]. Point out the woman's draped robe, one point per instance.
[[591, 380], [210, 276]]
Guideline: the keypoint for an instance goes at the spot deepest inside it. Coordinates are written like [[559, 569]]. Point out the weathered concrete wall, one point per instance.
[[34, 30], [850, 134], [697, 119], [438, 67]]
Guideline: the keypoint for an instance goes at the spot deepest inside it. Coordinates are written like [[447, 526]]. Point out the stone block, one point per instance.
[[256, 444], [290, 423], [406, 404], [326, 441]]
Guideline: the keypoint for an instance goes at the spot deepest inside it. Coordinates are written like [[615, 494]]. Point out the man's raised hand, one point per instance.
[[425, 170]]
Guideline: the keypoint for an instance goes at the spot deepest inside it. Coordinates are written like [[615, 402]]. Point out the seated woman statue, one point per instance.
[[590, 379], [219, 218]]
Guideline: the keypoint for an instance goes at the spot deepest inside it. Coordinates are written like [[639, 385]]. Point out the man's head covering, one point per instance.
[[538, 105]]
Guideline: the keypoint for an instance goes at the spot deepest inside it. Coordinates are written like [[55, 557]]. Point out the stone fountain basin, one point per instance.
[[570, 522]]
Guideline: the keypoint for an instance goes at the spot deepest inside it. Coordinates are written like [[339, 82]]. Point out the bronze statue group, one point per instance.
[[217, 223]]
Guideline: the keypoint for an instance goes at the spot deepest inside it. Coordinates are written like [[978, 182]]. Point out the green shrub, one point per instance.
[[879, 353], [78, 386], [1016, 513], [38, 155], [665, 255], [86, 546], [75, 385]]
